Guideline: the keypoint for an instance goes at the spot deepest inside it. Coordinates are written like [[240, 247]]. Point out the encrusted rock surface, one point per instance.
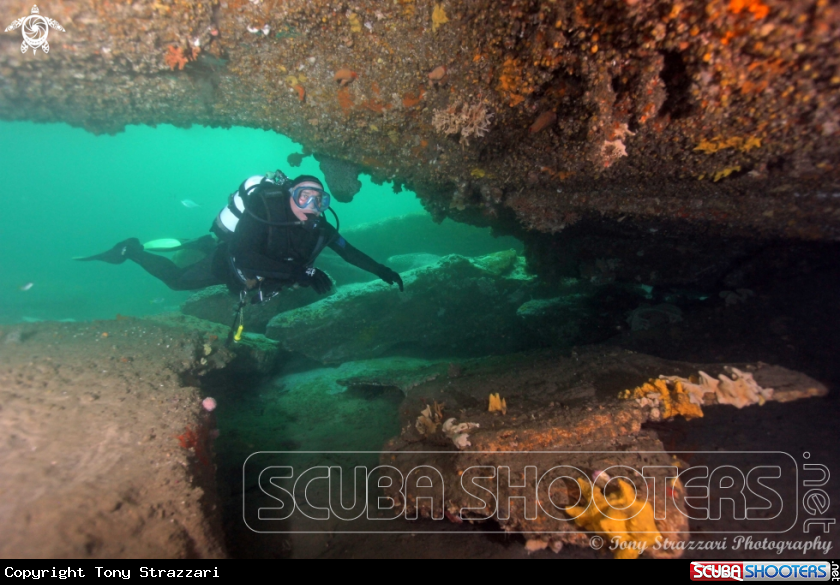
[[716, 118], [455, 303], [107, 451], [561, 410]]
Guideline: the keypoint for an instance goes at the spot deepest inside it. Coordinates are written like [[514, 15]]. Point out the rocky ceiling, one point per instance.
[[596, 131]]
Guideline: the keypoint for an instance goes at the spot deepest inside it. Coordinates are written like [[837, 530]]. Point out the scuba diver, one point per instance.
[[267, 238]]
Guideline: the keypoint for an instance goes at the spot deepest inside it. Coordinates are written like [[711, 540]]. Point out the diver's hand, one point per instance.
[[315, 278], [390, 277]]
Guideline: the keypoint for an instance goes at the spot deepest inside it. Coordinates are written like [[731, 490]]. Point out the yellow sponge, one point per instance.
[[497, 404], [673, 398], [623, 519]]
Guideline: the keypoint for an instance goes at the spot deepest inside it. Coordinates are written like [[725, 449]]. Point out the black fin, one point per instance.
[[116, 255]]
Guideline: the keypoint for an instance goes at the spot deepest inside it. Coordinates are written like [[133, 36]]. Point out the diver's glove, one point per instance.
[[315, 278], [390, 276]]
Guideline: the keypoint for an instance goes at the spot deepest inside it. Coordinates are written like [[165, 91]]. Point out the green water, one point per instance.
[[69, 193]]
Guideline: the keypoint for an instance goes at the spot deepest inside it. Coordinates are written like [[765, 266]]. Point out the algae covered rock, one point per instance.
[[526, 467], [410, 241], [405, 262], [460, 305], [399, 373], [571, 460]]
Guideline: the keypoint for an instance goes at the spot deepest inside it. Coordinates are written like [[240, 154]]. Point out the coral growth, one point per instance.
[[755, 7], [543, 121], [614, 148], [458, 433], [620, 517], [198, 440], [438, 74], [736, 142], [177, 57], [670, 396], [666, 400], [741, 389], [723, 173], [438, 17], [515, 83], [497, 404], [355, 23], [409, 100], [344, 77], [533, 545], [429, 419], [620, 132], [345, 100], [464, 119], [611, 151]]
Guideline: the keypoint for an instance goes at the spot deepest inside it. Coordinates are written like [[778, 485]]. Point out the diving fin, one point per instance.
[[118, 254], [163, 245], [205, 244]]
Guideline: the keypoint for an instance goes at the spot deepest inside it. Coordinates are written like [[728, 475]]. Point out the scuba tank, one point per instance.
[[228, 218]]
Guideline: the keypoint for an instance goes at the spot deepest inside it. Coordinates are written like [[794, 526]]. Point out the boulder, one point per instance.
[[458, 305], [399, 373], [410, 241], [567, 425], [404, 262]]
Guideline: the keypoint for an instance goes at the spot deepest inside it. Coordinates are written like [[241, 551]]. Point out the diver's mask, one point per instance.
[[305, 196]]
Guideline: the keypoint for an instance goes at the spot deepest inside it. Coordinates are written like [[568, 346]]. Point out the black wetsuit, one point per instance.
[[213, 269], [276, 253]]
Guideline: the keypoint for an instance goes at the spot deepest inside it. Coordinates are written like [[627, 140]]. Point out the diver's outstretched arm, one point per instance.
[[358, 258]]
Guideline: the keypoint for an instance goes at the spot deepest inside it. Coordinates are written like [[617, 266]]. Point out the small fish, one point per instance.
[[158, 301], [27, 286], [190, 204]]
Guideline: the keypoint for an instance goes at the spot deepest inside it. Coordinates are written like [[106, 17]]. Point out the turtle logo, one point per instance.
[[35, 31]]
